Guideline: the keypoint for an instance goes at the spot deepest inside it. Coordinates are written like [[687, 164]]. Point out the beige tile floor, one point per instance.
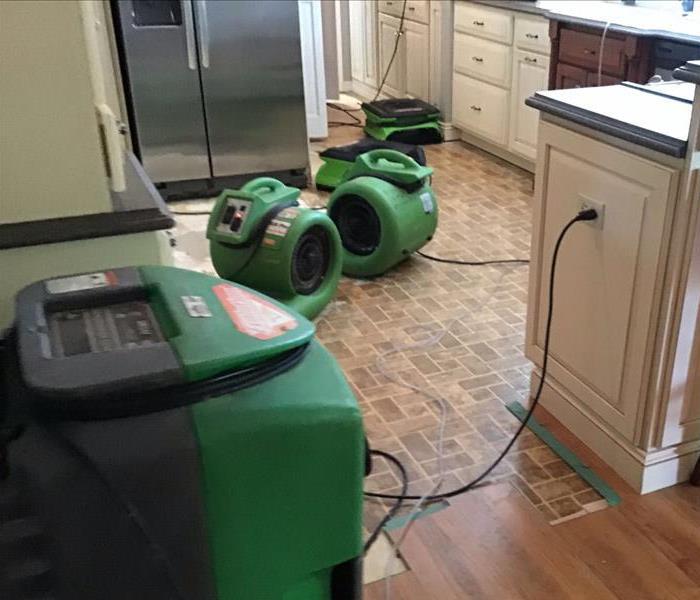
[[478, 366]]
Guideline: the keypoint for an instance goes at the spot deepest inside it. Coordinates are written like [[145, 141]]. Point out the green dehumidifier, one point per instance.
[[384, 210], [337, 161], [174, 436], [407, 120], [260, 237]]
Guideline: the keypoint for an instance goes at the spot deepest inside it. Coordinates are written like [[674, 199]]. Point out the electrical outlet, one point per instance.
[[599, 207]]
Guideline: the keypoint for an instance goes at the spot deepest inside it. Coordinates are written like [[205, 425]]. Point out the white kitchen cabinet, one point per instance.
[[417, 51], [394, 84], [363, 44], [500, 58], [410, 73], [530, 74]]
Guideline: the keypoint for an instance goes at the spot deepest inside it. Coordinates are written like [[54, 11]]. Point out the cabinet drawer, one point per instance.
[[532, 34], [416, 10], [481, 108], [391, 7], [583, 50], [485, 60], [491, 24], [592, 79]]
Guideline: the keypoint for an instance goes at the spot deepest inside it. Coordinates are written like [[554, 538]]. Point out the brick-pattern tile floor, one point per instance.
[[478, 365]]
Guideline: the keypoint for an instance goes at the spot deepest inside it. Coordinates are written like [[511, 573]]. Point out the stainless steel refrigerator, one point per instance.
[[215, 90]]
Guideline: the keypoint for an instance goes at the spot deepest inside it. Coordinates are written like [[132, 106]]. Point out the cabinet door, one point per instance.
[[417, 41], [608, 277], [570, 77], [388, 32], [356, 11], [370, 42], [530, 73]]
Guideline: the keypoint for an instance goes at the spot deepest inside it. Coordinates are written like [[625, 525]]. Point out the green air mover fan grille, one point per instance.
[[310, 260], [358, 224]]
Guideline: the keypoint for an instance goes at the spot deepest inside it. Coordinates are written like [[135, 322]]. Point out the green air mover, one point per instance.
[[337, 161], [185, 438], [406, 120], [384, 211], [260, 237]]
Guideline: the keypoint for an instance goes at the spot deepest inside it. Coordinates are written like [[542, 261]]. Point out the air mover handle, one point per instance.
[[390, 164], [257, 186], [391, 156]]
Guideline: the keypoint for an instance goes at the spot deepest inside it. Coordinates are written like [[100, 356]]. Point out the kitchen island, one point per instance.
[[625, 351]]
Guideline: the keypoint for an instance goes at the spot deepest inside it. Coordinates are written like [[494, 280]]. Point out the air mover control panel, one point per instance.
[[234, 215], [132, 329], [121, 326]]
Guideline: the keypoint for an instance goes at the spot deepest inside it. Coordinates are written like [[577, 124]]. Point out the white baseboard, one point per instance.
[[498, 151], [644, 471], [449, 132]]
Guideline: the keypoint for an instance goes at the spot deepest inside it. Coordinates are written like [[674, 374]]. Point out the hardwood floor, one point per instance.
[[492, 544]]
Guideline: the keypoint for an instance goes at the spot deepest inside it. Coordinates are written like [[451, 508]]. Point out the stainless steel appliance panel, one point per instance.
[[252, 80], [160, 46]]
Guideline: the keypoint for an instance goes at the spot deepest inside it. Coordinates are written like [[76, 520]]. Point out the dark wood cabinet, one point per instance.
[[577, 54]]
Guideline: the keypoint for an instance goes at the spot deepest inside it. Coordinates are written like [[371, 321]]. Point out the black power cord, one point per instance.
[[399, 33], [399, 501], [584, 215], [477, 263]]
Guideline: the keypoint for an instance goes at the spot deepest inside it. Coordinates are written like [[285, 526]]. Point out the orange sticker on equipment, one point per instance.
[[253, 315]]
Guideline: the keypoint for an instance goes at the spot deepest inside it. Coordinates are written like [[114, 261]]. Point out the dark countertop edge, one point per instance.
[[138, 209], [531, 8], [618, 129], [689, 72]]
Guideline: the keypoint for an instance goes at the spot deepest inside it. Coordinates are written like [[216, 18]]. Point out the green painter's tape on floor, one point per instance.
[[584, 471], [398, 522]]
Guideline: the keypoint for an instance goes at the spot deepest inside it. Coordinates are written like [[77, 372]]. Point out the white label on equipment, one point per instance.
[[427, 199], [64, 285], [196, 306]]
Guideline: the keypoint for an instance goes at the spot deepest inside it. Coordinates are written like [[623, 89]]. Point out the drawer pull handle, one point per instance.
[[478, 23], [530, 60], [532, 36], [476, 108], [411, 8], [588, 51], [477, 59]]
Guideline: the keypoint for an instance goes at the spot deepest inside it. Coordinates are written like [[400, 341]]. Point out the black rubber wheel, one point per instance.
[[310, 260], [358, 224]]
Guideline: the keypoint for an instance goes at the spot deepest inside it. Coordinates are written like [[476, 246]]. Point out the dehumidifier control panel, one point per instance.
[[234, 215]]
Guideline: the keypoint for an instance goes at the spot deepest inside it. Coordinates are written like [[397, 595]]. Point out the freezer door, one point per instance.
[[159, 43], [253, 85]]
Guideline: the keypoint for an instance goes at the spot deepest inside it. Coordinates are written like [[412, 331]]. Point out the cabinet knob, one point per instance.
[[588, 51], [476, 108], [478, 23], [530, 60], [477, 59], [532, 36]]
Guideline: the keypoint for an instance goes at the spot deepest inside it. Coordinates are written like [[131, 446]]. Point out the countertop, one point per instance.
[[634, 20], [656, 117], [139, 208]]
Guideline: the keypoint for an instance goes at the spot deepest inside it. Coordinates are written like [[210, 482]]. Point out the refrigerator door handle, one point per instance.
[[203, 26], [189, 34]]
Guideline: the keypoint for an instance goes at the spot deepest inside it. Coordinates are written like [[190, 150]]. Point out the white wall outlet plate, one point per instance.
[[599, 207]]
